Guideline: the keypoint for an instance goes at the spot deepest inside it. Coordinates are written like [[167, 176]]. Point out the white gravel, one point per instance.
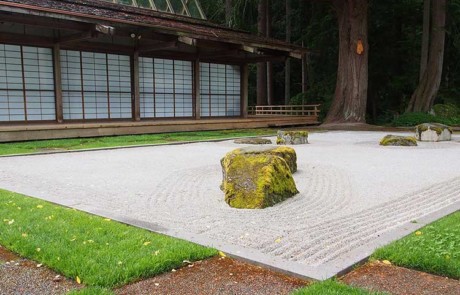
[[351, 191]]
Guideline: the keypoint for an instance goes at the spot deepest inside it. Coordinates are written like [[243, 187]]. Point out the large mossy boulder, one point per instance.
[[433, 132], [255, 178], [286, 153], [292, 137], [395, 140]]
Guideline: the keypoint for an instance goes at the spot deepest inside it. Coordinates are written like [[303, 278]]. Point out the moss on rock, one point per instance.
[[394, 140], [256, 180], [292, 137], [286, 153]]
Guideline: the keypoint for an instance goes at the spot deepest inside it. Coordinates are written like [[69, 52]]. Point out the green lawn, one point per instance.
[[91, 291], [331, 287], [128, 140], [94, 250], [433, 249]]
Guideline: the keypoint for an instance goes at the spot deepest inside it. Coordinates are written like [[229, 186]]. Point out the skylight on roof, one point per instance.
[[191, 8]]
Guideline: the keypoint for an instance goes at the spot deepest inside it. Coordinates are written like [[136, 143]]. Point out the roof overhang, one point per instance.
[[150, 32]]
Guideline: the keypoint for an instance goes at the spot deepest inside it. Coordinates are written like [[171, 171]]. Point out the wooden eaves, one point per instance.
[[154, 32]]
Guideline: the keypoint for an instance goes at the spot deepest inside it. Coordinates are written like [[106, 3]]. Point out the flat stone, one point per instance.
[[292, 137], [433, 132], [256, 179], [256, 140], [395, 140]]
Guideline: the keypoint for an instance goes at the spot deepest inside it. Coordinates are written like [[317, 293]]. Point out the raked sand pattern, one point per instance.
[[352, 191]]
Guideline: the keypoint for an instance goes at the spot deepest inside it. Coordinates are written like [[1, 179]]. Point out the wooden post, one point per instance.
[[244, 90], [197, 89], [304, 73], [136, 87], [58, 82]]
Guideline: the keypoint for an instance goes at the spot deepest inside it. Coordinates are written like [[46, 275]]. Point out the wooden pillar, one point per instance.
[[197, 89], [304, 72], [58, 82], [136, 87], [244, 90]]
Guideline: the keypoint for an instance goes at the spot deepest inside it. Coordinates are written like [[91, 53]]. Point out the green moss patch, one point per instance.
[[257, 178], [394, 140]]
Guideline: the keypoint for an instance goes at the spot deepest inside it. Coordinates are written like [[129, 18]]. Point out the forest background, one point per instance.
[[395, 32]]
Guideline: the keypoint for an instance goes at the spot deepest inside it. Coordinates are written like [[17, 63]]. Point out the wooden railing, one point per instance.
[[285, 110]]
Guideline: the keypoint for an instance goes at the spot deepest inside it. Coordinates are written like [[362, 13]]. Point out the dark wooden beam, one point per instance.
[[136, 87], [197, 88], [26, 39], [78, 37], [244, 90], [43, 22], [144, 48], [58, 82]]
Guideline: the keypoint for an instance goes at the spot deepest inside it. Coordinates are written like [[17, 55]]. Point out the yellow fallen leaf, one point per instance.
[[11, 222], [278, 240], [222, 254], [39, 206], [147, 243], [24, 235], [39, 249], [386, 262], [107, 219], [78, 280], [418, 233]]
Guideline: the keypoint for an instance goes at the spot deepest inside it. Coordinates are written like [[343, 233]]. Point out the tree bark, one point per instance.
[[425, 37], [262, 67], [270, 70], [350, 98], [287, 66], [424, 96], [228, 13]]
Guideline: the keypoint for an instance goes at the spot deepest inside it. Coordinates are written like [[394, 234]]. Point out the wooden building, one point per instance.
[[75, 68]]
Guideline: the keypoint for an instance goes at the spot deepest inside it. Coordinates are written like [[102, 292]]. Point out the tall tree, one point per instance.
[[262, 67], [350, 98], [424, 96], [425, 37], [287, 66], [270, 69], [228, 13]]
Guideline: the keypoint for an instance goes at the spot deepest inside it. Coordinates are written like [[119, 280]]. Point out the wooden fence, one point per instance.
[[285, 110]]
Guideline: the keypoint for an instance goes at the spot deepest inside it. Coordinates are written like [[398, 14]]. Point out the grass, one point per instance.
[[332, 287], [128, 140], [434, 249], [97, 251], [91, 291]]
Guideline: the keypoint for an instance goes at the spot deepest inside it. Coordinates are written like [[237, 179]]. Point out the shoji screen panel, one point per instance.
[[220, 90], [26, 84], [166, 88], [96, 85]]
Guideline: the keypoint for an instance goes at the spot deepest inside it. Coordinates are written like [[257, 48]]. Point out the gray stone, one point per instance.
[[256, 140], [292, 137], [433, 132]]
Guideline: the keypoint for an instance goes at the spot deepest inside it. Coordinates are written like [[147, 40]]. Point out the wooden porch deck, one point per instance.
[[12, 133]]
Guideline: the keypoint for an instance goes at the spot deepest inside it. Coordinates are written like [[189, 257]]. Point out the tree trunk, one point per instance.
[[228, 13], [350, 98], [287, 66], [270, 71], [423, 98], [262, 67], [425, 37]]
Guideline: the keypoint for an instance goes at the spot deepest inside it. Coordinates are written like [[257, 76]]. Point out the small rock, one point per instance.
[[433, 132], [57, 278], [256, 140], [292, 137], [395, 140]]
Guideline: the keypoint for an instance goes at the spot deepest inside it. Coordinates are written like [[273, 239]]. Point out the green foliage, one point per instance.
[[130, 140], [413, 119], [434, 248], [98, 251], [332, 287], [446, 111]]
